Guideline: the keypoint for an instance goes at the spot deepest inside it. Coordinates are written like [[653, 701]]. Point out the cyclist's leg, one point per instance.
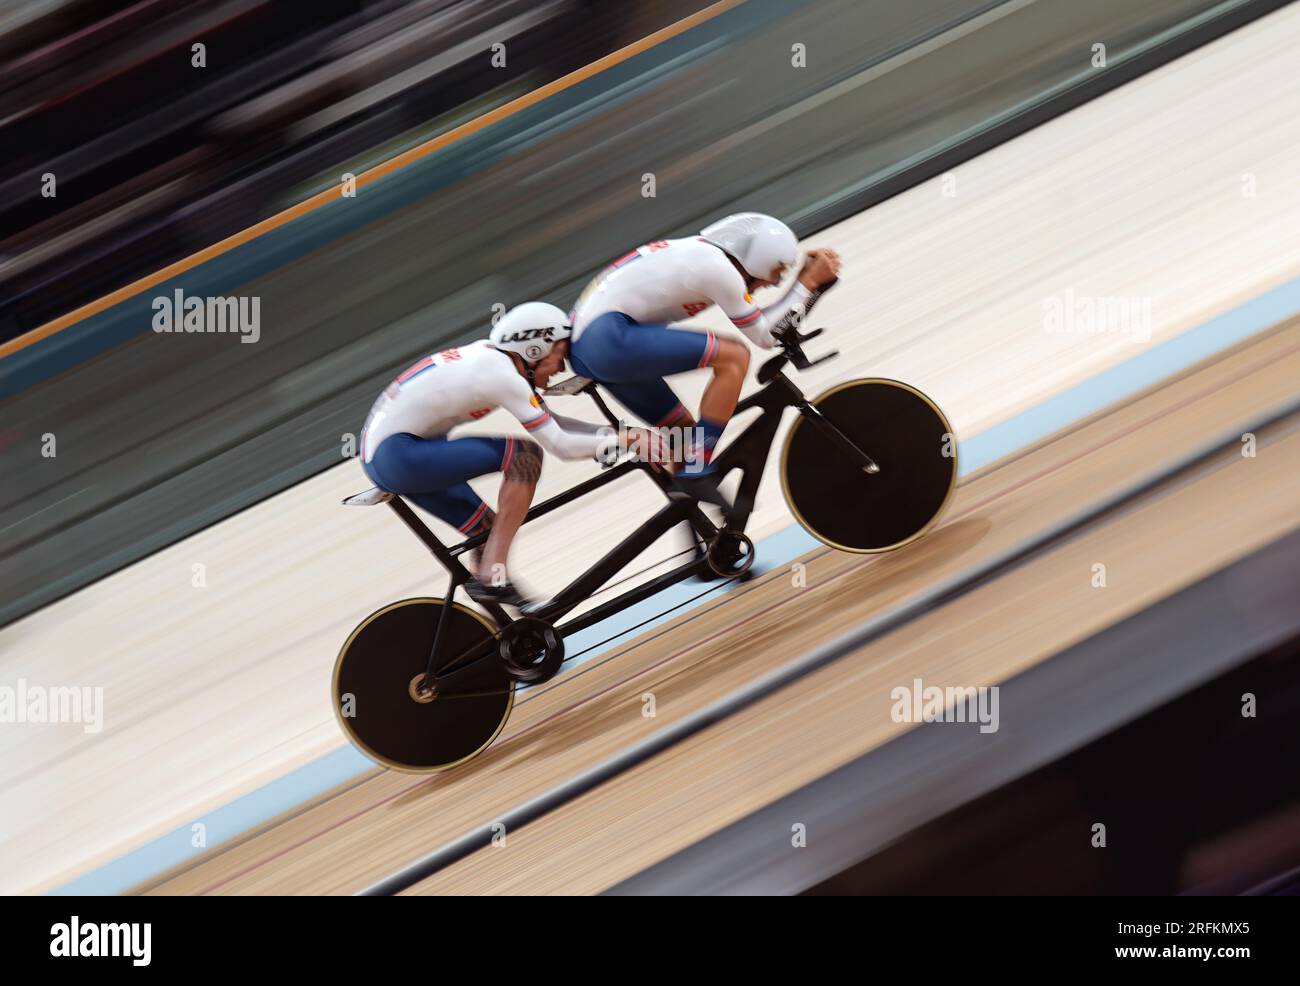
[[730, 366], [433, 474], [631, 360], [521, 467], [656, 404], [459, 506], [614, 348]]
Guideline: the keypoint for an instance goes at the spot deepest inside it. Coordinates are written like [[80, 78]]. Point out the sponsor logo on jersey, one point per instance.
[[534, 401]]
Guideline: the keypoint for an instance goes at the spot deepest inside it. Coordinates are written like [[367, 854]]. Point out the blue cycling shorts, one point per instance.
[[433, 472], [631, 361]]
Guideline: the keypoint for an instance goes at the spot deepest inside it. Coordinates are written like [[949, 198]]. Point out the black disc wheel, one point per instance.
[[387, 709], [850, 507]]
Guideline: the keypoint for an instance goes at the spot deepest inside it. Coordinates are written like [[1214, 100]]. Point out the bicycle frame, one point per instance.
[[748, 453]]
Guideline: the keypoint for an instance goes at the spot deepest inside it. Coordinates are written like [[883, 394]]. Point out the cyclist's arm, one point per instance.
[[730, 295], [576, 426], [517, 398]]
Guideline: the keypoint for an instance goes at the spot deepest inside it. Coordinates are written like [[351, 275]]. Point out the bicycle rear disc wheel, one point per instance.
[[904, 433], [378, 697]]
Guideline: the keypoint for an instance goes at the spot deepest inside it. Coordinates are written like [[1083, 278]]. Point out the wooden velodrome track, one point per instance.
[[365, 830], [1198, 524], [214, 692]]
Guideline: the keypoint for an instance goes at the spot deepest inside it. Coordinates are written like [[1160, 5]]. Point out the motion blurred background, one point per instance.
[[504, 149], [159, 151], [156, 159]]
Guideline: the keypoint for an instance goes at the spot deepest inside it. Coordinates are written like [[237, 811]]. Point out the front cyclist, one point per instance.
[[406, 446], [621, 323]]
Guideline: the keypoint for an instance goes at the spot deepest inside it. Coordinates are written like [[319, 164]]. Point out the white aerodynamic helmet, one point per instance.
[[758, 242], [531, 330]]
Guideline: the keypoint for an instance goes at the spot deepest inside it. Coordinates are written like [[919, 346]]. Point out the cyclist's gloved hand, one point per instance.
[[644, 444], [787, 330]]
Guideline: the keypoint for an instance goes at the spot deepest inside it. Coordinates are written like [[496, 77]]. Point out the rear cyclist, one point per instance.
[[406, 447]]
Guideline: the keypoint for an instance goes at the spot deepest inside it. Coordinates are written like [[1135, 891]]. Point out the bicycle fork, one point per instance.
[[838, 437]]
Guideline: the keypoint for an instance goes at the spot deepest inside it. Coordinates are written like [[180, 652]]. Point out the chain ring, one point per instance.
[[730, 554], [531, 650]]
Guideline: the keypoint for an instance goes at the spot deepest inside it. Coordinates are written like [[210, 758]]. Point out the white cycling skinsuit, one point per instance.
[[406, 448], [670, 280]]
